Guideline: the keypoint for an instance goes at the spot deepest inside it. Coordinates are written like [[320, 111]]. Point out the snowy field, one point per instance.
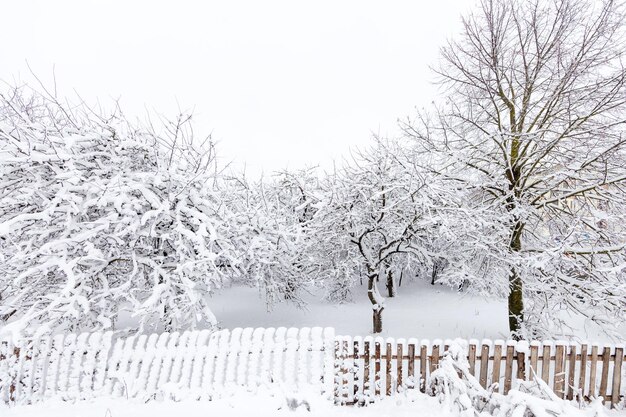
[[420, 310], [240, 406], [235, 407], [258, 406]]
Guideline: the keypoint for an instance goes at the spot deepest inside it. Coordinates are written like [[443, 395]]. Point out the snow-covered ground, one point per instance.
[[245, 405], [238, 406], [420, 310]]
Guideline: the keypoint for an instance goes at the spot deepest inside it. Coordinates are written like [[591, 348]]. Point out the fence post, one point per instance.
[[593, 371], [399, 360], [571, 371], [434, 360], [522, 348], [617, 375], [559, 371], [606, 357], [497, 363], [545, 362], [388, 354], [357, 384], [328, 363], [377, 366], [367, 389], [508, 367], [534, 353], [583, 371], [411, 365], [472, 356], [423, 365], [341, 375], [484, 362]]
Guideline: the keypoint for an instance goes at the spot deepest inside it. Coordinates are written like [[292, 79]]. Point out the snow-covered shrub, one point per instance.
[[460, 392], [97, 215]]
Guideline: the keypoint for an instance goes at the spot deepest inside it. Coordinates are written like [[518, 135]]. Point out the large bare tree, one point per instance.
[[533, 119]]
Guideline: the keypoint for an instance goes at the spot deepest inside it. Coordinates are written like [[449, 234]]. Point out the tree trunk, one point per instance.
[[376, 300], [434, 273], [516, 298], [377, 320], [391, 285]]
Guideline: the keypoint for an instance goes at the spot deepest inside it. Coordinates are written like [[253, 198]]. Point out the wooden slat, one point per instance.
[[21, 353], [338, 366], [434, 358], [411, 366], [377, 368], [534, 355], [508, 368], [357, 388], [472, 358], [298, 339], [582, 378], [423, 367], [5, 383], [545, 363], [617, 376], [399, 360], [559, 371], [344, 372], [571, 372], [265, 373], [484, 364], [497, 363], [604, 379], [366, 368], [521, 365], [388, 354], [593, 371]]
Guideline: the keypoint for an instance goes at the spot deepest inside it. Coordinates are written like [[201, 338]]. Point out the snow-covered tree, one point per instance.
[[378, 211], [98, 216], [273, 234], [533, 126]]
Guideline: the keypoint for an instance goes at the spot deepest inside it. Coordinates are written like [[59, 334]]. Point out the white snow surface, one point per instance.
[[241, 405], [246, 405], [419, 310]]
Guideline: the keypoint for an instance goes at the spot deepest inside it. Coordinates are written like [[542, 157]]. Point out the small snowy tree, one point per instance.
[[378, 208], [273, 235]]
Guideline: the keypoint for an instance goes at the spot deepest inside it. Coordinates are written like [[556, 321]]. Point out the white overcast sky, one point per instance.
[[279, 83]]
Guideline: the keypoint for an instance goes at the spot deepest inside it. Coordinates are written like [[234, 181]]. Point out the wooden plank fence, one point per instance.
[[371, 367], [207, 365]]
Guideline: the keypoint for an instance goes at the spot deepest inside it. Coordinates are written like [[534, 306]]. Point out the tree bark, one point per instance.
[[391, 285], [377, 308], [516, 297], [377, 320]]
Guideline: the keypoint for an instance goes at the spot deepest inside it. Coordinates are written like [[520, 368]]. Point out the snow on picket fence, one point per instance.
[[206, 365], [199, 364]]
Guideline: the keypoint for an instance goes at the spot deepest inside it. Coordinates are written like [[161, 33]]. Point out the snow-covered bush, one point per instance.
[[97, 216], [460, 392]]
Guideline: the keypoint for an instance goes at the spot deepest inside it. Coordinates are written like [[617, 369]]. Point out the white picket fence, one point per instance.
[[197, 364]]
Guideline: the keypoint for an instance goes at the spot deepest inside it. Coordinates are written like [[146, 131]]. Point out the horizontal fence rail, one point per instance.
[[197, 364], [372, 367], [206, 365]]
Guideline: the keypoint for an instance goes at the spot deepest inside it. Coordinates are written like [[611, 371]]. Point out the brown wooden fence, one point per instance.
[[369, 368]]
